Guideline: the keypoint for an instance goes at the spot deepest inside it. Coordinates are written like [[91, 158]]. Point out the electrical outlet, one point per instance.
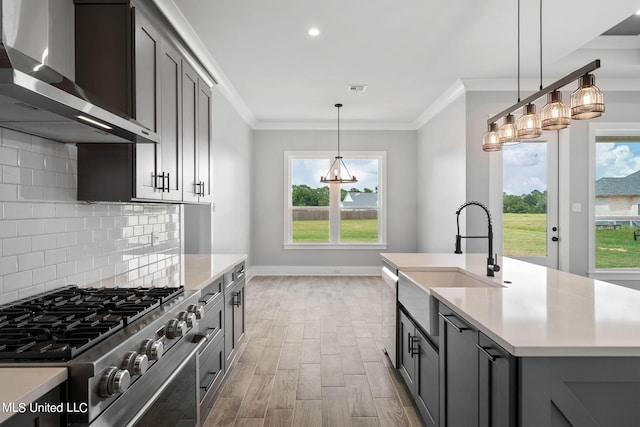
[[576, 207], [155, 238]]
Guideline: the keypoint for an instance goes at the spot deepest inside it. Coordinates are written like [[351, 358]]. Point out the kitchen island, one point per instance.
[[532, 345]]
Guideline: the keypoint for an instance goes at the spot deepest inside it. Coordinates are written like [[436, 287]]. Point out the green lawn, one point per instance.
[[525, 234], [356, 230], [617, 249]]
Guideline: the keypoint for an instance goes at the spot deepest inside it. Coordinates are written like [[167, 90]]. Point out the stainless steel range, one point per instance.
[[131, 353]]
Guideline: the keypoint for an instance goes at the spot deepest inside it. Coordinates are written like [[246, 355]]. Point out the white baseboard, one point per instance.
[[314, 270]]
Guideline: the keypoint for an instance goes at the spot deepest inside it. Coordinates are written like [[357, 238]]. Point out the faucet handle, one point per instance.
[[495, 266]]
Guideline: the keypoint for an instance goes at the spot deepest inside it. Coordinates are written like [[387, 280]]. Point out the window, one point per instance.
[[616, 201], [328, 216]]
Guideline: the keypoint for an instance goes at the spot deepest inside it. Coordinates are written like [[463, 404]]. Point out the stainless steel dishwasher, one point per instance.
[[390, 313]]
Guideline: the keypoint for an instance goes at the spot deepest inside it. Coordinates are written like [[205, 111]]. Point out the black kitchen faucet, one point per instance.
[[492, 263]]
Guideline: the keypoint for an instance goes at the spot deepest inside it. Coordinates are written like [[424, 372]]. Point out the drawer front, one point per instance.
[[211, 323], [211, 370], [212, 292], [238, 272]]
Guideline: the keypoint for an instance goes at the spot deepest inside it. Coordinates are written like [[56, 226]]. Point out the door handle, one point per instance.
[[554, 239]]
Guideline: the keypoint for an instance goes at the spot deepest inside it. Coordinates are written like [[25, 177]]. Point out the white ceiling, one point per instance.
[[409, 53]]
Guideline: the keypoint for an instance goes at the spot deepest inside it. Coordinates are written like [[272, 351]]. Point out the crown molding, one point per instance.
[[186, 31], [332, 126]]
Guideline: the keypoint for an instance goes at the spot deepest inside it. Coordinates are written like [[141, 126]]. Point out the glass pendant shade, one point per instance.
[[529, 123], [490, 141], [338, 172], [587, 101], [555, 114], [507, 134]]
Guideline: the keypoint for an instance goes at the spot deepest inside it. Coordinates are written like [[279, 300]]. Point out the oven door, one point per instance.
[[166, 395], [177, 401]]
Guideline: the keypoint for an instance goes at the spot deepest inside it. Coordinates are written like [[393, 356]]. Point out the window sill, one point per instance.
[[333, 246], [615, 274]]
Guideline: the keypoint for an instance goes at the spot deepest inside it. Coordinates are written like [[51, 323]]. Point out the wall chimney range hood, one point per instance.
[[38, 100]]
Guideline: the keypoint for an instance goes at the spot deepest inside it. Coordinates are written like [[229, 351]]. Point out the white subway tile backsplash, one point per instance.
[[16, 246], [48, 239], [44, 274], [30, 227], [17, 210], [8, 265], [55, 256], [8, 156], [16, 281], [30, 160], [30, 261]]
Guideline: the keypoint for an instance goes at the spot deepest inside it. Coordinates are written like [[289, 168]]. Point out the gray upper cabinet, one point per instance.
[[145, 74]]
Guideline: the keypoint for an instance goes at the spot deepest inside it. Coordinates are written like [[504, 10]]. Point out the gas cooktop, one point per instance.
[[61, 324]]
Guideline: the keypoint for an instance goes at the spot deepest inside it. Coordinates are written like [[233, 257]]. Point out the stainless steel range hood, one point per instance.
[[35, 98]]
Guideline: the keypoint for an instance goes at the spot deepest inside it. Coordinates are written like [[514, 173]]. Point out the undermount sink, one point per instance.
[[445, 279], [414, 293]]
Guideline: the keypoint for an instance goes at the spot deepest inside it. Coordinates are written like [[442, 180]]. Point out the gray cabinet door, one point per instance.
[[171, 137], [191, 186], [427, 382], [406, 358], [497, 400], [204, 170], [147, 98], [229, 341], [238, 313], [458, 371]]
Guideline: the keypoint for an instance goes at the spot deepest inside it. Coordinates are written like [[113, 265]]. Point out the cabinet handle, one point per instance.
[[196, 189], [237, 299], [453, 325], [162, 176], [490, 356], [415, 345], [168, 183], [202, 188]]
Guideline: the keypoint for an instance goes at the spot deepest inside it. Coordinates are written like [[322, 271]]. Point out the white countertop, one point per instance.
[[24, 385], [542, 312], [198, 270]]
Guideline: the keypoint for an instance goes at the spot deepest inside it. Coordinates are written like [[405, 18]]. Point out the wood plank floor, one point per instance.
[[312, 357]]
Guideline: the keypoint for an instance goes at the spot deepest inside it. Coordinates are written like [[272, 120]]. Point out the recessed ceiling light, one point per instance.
[[314, 32], [638, 12]]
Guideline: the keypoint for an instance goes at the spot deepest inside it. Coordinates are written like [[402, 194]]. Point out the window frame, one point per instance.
[[606, 129], [381, 156]]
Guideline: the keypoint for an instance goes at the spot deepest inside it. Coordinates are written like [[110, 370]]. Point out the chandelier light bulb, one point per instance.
[[587, 102], [490, 140], [507, 134], [555, 114], [529, 123]]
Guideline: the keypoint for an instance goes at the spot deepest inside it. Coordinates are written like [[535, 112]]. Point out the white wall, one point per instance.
[[268, 195], [441, 170], [224, 227]]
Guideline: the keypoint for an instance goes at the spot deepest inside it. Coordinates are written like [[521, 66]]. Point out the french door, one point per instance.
[[530, 220]]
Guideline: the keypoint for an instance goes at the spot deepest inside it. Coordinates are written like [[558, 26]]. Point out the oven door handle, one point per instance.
[[173, 375]]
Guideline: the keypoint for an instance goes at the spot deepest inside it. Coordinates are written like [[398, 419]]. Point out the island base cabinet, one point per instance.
[[418, 366], [458, 371], [497, 382], [579, 391]]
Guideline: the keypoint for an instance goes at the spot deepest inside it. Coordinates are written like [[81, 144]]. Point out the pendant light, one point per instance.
[[529, 123], [338, 172], [508, 134], [490, 140], [587, 101], [555, 114]]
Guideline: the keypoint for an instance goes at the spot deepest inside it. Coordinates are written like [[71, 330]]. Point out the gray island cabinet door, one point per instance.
[[497, 378], [579, 391], [427, 382], [458, 371], [406, 359]]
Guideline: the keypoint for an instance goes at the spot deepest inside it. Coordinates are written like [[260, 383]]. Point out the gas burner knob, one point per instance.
[[188, 317], [197, 309], [114, 381], [135, 363], [153, 349], [175, 328]]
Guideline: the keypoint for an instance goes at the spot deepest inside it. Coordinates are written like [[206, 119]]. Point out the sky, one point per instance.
[[524, 168], [308, 171], [525, 165], [615, 159]]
